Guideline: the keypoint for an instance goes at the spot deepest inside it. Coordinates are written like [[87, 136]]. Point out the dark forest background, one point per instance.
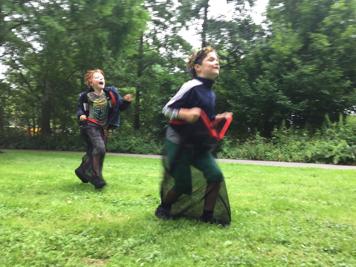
[[290, 84]]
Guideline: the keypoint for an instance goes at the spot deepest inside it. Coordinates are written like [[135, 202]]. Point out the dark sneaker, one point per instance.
[[97, 182], [80, 174], [163, 213], [207, 217]]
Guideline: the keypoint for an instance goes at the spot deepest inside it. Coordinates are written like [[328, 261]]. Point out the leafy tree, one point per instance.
[[302, 70], [11, 9], [317, 78], [157, 61], [64, 39]]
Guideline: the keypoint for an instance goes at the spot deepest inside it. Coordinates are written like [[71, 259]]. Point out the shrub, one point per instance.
[[333, 143]]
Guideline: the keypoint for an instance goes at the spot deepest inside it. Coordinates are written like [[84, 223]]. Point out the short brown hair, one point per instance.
[[197, 58], [89, 75]]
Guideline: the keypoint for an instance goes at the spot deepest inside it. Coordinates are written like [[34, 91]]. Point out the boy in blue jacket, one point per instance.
[[193, 185], [98, 111]]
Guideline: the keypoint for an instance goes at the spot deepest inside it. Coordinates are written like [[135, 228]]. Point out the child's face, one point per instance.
[[98, 81], [209, 67]]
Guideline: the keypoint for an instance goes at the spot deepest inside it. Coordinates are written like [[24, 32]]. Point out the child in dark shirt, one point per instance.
[[193, 184], [98, 111]]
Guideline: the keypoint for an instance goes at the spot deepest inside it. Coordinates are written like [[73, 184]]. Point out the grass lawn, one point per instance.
[[281, 216]]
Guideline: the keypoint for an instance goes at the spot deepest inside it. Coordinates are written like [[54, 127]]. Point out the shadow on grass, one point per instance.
[[77, 186]]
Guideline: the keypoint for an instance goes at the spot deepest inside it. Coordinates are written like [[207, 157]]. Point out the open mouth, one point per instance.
[[101, 83]]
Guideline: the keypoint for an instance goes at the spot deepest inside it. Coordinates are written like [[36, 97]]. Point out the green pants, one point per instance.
[[179, 161]]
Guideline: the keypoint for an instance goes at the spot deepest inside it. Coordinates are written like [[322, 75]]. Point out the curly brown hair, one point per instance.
[[197, 58], [89, 75]]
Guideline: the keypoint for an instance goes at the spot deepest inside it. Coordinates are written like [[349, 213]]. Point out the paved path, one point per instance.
[[257, 162], [240, 161]]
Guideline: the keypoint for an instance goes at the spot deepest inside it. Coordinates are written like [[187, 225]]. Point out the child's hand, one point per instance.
[[225, 115], [128, 97], [82, 117]]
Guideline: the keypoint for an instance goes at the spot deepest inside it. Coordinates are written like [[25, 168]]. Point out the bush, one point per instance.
[[119, 141], [334, 143], [53, 142], [134, 143]]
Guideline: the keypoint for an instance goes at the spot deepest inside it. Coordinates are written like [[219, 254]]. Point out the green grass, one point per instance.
[[281, 216]]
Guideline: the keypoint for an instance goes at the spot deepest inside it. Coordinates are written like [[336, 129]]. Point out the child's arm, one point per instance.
[[81, 109], [190, 115], [125, 101]]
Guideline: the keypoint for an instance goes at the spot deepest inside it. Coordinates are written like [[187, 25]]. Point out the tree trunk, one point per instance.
[[2, 26], [2, 121], [137, 123], [205, 24], [45, 125]]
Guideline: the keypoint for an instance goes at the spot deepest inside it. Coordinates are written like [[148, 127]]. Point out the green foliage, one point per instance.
[[21, 140], [335, 143], [302, 71], [298, 69], [133, 142], [67, 38]]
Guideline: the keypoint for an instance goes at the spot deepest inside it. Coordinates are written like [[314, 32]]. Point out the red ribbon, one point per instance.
[[92, 121], [210, 126]]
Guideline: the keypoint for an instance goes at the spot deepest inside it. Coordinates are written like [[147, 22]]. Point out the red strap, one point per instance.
[[92, 120], [212, 131], [225, 127], [209, 125], [177, 122]]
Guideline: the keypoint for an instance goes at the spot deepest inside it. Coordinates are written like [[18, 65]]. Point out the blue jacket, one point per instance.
[[117, 104], [194, 93]]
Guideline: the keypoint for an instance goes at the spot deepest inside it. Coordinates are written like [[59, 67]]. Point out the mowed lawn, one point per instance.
[[281, 216]]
